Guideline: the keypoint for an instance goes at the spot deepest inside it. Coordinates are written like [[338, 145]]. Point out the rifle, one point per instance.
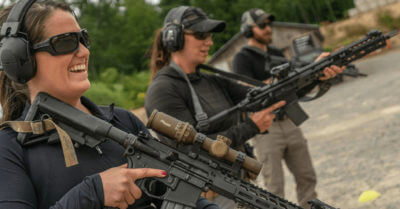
[[189, 174], [293, 84]]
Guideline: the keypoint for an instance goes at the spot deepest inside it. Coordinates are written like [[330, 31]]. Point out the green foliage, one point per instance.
[[127, 91], [386, 19], [328, 49], [309, 11], [121, 33]]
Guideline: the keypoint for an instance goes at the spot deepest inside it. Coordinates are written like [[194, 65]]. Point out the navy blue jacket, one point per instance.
[[35, 176]]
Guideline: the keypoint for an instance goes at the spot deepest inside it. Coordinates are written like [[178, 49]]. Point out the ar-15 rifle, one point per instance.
[[188, 174], [293, 84]]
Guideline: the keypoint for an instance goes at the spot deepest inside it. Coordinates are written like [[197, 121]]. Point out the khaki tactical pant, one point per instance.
[[225, 203], [285, 141]]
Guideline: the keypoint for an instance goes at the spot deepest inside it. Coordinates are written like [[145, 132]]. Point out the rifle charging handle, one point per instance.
[[184, 133]]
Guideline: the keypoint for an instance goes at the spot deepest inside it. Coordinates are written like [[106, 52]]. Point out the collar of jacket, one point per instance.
[[256, 50], [170, 72], [106, 114]]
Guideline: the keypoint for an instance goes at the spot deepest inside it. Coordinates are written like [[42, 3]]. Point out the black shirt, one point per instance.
[[170, 93], [254, 63]]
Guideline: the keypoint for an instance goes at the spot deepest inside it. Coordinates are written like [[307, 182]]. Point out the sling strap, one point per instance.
[[42, 127], [201, 117], [233, 76]]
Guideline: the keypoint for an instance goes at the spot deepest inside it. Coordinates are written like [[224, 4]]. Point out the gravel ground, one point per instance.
[[354, 137]]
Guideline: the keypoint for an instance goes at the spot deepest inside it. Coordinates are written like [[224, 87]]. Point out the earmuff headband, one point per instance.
[[15, 19], [178, 17]]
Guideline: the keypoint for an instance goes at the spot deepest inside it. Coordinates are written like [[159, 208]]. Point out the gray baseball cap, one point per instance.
[[256, 16], [194, 19]]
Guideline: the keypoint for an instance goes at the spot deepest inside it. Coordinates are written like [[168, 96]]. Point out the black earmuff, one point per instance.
[[248, 31], [246, 26], [172, 32], [16, 56]]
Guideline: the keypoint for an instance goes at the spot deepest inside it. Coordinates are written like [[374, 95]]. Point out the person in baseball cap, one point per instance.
[[286, 141], [180, 89], [261, 20], [256, 16], [194, 19], [180, 24]]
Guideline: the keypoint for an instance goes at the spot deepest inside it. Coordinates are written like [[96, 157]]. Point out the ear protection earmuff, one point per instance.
[[16, 56], [247, 31], [172, 32], [247, 24]]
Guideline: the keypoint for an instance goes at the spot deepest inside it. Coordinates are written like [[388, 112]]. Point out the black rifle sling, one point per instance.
[[233, 76], [273, 60], [201, 117]]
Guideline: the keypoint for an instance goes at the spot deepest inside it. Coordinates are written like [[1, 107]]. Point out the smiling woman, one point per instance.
[[49, 53], [63, 75]]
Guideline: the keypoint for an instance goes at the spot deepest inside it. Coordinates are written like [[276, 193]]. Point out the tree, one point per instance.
[[309, 11], [121, 33]]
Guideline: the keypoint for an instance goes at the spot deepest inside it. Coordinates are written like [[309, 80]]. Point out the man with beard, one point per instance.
[[285, 140], [254, 60]]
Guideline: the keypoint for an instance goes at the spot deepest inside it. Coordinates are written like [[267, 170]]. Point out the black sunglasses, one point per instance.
[[264, 24], [63, 43], [200, 35]]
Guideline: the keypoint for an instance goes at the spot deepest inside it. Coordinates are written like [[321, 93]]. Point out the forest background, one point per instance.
[[122, 31]]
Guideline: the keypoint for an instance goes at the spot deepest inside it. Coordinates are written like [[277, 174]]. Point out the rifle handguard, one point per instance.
[[184, 133]]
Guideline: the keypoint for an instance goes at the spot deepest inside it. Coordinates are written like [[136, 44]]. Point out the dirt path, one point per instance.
[[354, 137]]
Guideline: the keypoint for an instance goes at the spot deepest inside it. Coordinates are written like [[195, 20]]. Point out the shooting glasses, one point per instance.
[[63, 43]]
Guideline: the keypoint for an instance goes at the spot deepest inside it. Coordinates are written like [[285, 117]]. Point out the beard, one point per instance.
[[263, 39]]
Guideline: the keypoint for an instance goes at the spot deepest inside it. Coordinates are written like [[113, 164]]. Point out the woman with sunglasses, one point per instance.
[[170, 92], [179, 47], [35, 176]]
